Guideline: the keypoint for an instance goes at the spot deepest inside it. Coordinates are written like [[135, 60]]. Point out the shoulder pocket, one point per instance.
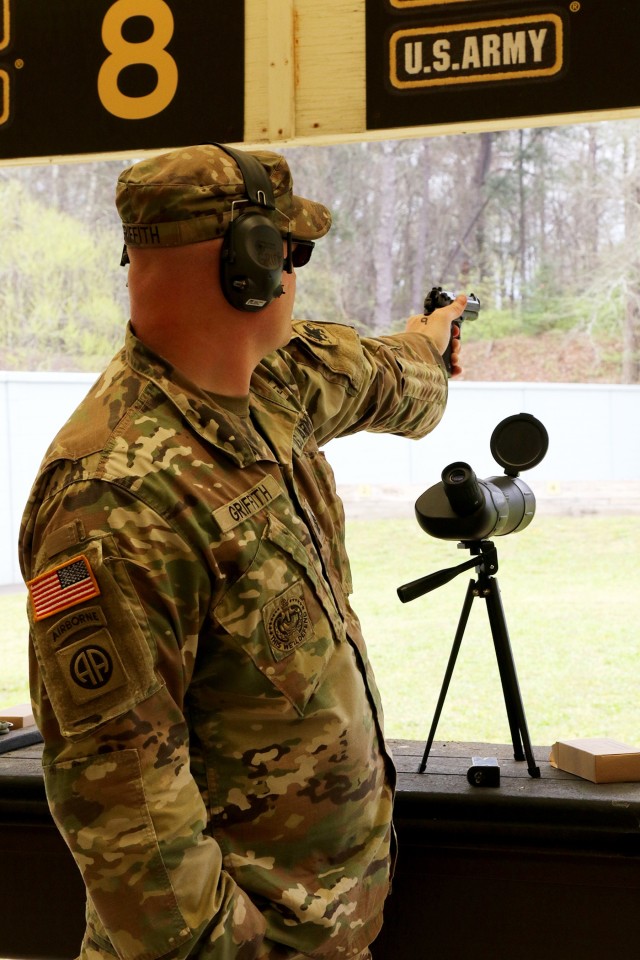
[[282, 615], [336, 349], [94, 655]]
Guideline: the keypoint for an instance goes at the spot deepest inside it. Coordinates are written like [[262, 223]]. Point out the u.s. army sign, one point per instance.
[[494, 50], [446, 61]]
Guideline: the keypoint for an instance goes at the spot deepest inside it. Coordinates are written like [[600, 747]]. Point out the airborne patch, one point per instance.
[[62, 630], [65, 586]]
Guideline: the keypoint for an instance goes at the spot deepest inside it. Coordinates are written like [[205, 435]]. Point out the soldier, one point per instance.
[[214, 755]]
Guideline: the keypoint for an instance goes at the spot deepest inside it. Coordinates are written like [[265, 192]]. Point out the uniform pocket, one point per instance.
[[281, 614]]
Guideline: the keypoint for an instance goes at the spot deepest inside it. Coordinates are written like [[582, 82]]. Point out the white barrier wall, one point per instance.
[[33, 407], [593, 436]]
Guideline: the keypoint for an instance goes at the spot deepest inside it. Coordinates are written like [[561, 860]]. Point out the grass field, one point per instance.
[[570, 592]]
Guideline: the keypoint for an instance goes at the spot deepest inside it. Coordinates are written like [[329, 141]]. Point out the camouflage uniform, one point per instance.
[[213, 747]]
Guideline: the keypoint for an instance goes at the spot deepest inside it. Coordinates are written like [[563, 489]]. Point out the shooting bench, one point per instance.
[[544, 868]]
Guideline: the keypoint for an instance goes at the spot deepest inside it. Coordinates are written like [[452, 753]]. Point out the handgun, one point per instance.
[[438, 297]]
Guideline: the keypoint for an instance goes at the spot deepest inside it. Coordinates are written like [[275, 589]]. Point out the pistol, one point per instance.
[[438, 297]]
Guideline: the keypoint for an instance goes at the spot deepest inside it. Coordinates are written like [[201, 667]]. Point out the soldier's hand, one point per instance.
[[437, 326]]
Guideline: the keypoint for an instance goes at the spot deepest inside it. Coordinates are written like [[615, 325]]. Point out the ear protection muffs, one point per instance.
[[252, 259]]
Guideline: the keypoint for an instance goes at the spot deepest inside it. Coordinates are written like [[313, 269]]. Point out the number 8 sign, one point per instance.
[[124, 54], [119, 76]]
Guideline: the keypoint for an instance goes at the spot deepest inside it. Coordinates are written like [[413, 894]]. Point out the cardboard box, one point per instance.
[[598, 760], [20, 715]]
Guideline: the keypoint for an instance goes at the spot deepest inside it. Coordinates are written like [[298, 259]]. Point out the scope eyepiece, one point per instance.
[[461, 488]]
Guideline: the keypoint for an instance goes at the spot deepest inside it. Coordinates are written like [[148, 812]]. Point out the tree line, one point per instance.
[[542, 224]]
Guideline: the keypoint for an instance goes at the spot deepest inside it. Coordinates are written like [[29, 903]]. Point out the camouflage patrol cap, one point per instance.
[[186, 196]]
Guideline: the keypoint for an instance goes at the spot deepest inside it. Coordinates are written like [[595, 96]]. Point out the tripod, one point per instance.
[[485, 559]]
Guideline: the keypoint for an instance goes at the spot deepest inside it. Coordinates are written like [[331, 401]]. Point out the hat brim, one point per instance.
[[307, 219]]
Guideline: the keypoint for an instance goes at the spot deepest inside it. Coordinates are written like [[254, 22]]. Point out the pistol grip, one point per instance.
[[455, 335]]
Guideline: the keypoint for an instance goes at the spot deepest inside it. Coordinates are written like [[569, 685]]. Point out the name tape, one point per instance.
[[247, 504]]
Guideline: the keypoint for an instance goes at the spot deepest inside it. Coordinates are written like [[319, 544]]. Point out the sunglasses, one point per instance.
[[301, 251]]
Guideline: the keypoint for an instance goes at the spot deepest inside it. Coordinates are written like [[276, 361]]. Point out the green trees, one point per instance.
[[542, 224], [62, 303]]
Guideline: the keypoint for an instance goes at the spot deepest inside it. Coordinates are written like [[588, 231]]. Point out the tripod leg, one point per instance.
[[453, 656], [508, 676]]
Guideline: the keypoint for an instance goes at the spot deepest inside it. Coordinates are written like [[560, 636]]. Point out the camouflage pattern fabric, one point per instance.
[[214, 755], [186, 196]]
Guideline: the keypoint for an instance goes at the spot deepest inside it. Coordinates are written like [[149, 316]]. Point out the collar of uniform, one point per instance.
[[228, 431]]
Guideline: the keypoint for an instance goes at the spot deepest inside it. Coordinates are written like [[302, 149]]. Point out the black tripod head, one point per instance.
[[484, 557]]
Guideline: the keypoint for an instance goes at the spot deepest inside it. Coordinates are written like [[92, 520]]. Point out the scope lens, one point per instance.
[[457, 476]]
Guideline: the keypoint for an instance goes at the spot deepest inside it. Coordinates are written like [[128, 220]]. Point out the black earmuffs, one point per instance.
[[252, 258]]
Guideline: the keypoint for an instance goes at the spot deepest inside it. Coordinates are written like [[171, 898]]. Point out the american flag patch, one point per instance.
[[64, 586]]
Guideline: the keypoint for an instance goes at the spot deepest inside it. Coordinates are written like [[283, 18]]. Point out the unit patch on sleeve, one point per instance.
[[65, 586], [92, 667]]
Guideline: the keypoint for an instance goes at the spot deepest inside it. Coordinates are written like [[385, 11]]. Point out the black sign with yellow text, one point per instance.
[[451, 61], [100, 76]]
